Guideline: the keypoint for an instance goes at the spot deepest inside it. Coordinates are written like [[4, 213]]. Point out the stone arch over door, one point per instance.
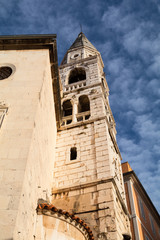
[[57, 224]]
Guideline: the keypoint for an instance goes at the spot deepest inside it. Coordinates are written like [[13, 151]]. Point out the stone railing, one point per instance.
[[83, 116], [66, 120], [74, 86]]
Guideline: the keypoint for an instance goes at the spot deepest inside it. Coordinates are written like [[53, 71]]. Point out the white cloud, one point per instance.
[[106, 49], [132, 40], [147, 128], [155, 66], [154, 86], [139, 104], [114, 18], [116, 66], [95, 8], [6, 8]]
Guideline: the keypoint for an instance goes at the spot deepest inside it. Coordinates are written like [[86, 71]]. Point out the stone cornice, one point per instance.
[[89, 60], [91, 184]]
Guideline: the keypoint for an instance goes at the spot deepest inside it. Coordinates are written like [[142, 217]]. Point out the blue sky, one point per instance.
[[127, 35]]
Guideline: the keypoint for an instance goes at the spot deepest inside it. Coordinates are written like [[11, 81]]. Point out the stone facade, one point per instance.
[[26, 143], [91, 184]]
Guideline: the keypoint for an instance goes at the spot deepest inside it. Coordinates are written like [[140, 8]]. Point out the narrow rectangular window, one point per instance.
[[141, 209], [152, 225], [146, 237], [73, 153]]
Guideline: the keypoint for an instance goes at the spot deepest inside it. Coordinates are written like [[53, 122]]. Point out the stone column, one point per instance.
[[75, 111]]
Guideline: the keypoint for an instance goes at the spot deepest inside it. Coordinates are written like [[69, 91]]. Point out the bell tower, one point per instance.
[[87, 175]]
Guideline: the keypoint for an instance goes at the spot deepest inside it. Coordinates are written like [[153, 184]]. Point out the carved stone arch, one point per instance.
[[72, 98], [73, 101], [69, 225]]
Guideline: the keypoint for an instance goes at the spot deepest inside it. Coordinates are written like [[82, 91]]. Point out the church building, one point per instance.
[[60, 165]]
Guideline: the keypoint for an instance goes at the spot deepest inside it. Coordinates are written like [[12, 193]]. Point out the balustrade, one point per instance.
[[74, 86], [66, 120], [83, 116]]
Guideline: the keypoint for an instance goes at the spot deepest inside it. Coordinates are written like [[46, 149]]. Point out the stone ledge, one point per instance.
[[94, 183]]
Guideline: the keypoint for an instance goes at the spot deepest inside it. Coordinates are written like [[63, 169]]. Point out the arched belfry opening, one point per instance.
[[67, 108], [84, 104], [76, 75]]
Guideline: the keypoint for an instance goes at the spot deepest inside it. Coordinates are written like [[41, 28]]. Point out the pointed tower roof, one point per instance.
[[82, 41]]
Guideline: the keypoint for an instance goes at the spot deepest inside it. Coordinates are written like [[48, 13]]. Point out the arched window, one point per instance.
[[67, 108], [73, 153], [76, 75], [84, 104]]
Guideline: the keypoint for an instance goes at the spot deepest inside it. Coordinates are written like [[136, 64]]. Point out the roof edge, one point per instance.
[[31, 36], [17, 42]]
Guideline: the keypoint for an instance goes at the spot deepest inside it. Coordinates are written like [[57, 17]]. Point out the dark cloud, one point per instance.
[[127, 35]]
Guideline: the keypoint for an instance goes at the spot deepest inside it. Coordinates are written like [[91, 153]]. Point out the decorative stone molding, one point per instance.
[[3, 111], [52, 211]]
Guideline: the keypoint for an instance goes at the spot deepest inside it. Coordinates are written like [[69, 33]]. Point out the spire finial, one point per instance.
[[81, 27]]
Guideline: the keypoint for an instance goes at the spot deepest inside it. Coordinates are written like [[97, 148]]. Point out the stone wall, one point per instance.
[[27, 140], [92, 155], [91, 186], [96, 203]]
